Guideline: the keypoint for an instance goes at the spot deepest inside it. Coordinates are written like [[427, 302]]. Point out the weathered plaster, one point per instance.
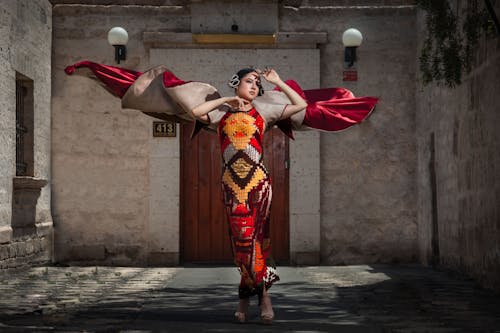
[[25, 47]]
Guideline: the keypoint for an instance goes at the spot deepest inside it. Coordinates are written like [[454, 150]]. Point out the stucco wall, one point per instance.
[[116, 189], [106, 163], [105, 188], [465, 123], [368, 185], [25, 47]]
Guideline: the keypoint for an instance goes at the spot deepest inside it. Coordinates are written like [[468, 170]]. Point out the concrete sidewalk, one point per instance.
[[375, 298]]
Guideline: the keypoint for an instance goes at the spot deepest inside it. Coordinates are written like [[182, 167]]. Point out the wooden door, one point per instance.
[[204, 226]]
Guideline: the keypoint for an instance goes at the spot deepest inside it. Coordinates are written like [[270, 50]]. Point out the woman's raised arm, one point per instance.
[[298, 103], [203, 109]]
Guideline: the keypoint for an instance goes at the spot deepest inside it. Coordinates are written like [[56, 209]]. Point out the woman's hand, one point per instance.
[[270, 75], [297, 102], [237, 103]]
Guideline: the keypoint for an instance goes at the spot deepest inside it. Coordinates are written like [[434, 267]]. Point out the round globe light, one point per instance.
[[352, 38], [117, 36]]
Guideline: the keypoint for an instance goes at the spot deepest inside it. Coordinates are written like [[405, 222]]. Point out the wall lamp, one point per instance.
[[118, 37], [351, 38]]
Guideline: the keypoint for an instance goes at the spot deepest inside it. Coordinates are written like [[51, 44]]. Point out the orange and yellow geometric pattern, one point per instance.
[[247, 191], [242, 193], [239, 127]]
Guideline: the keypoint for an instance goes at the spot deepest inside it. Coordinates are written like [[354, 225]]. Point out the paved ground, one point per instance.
[[374, 298]]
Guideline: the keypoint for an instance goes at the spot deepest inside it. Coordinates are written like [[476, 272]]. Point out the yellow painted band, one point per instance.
[[233, 39]]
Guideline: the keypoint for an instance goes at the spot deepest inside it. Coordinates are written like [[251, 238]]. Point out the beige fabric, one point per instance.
[[192, 94], [214, 118], [297, 121], [271, 106], [149, 95]]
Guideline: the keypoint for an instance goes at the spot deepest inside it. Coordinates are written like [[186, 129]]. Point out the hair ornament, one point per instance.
[[234, 82]]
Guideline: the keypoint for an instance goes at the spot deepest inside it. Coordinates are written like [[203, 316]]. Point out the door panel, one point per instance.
[[204, 226], [276, 159], [216, 66]]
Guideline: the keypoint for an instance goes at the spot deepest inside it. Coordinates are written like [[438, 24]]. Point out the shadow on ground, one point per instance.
[[374, 298]]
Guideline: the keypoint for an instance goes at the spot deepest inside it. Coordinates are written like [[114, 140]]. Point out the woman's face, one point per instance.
[[248, 88]]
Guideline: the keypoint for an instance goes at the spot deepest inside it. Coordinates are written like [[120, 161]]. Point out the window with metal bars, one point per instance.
[[24, 125]]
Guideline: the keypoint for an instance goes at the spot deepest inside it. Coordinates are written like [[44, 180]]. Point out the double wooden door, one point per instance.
[[204, 225]]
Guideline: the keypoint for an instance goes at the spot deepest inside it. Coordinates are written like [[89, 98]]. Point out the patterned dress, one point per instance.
[[246, 187]]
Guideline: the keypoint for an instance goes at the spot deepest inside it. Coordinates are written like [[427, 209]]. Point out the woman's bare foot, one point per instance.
[[242, 311], [266, 309]]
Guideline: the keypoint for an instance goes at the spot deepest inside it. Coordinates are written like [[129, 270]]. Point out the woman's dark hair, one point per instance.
[[242, 72]]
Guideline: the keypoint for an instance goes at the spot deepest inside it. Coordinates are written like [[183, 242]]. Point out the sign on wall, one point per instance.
[[164, 129], [350, 75]]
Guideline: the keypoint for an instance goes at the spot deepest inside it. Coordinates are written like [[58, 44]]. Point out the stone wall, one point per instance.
[[105, 186], [368, 186], [463, 162], [419, 179], [133, 185], [103, 156], [25, 49]]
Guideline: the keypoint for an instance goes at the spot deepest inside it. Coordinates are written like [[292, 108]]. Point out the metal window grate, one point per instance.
[[21, 130]]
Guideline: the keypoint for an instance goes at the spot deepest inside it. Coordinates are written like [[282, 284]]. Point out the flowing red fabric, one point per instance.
[[170, 80], [335, 109], [116, 80], [330, 109]]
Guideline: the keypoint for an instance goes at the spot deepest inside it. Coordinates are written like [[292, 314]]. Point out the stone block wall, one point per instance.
[[25, 48], [463, 162], [26, 252], [368, 184], [425, 167], [109, 172]]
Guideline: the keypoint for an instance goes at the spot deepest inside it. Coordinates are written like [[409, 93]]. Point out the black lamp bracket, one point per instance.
[[350, 56], [120, 53]]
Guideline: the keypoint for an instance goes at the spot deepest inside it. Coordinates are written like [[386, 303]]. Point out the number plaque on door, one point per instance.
[[164, 129]]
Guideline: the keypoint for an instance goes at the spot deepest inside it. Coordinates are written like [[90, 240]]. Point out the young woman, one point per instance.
[[246, 183], [240, 122]]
